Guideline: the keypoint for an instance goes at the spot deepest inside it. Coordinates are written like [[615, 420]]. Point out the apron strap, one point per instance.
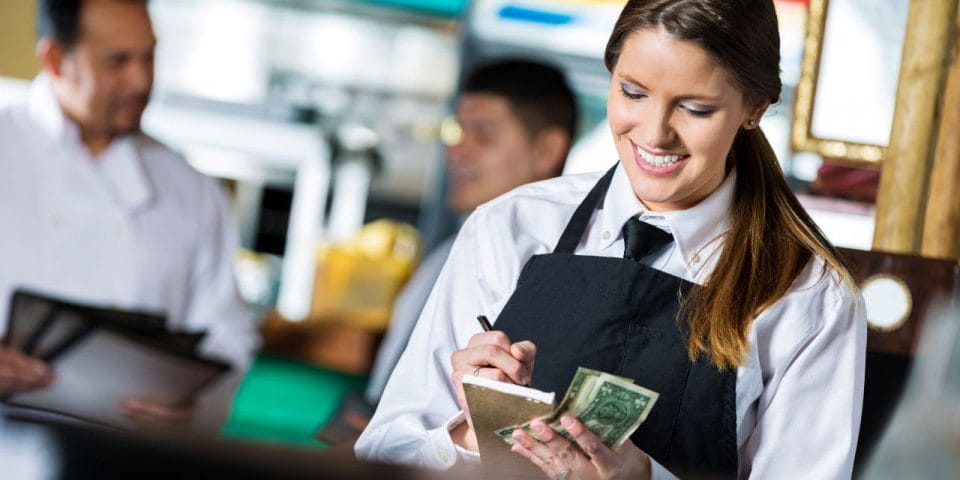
[[581, 217]]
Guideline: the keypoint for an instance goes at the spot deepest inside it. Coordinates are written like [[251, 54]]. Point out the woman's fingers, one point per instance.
[[551, 452], [626, 461], [525, 352], [599, 454], [559, 458], [490, 354], [494, 337]]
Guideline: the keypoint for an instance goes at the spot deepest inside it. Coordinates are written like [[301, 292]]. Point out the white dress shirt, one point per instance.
[[406, 311], [136, 227], [799, 394]]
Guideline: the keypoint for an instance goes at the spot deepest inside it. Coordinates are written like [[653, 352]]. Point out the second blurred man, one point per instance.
[[518, 120]]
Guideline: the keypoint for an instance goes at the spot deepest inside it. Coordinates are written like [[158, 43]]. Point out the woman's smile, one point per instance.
[[658, 163]]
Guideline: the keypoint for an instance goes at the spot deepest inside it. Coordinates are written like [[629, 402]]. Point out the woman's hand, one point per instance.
[[562, 460], [490, 355], [20, 373]]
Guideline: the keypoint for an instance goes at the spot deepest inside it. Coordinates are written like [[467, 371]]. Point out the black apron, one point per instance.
[[620, 316]]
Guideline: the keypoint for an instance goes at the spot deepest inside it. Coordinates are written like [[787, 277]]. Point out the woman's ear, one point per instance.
[[756, 113]]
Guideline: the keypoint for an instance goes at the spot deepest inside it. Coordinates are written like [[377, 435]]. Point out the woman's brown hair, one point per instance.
[[771, 239]]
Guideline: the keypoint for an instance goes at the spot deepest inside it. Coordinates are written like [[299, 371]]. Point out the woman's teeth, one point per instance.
[[659, 160]]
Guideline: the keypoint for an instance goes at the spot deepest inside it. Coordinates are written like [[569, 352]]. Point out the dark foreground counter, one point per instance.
[[57, 450], [74, 451]]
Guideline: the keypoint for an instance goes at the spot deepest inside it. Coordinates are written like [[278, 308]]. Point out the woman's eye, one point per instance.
[[632, 93], [697, 111]]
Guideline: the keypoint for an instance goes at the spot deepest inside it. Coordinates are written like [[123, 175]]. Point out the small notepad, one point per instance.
[[494, 405]]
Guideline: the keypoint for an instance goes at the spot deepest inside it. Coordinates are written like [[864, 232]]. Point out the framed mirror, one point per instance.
[[848, 80]]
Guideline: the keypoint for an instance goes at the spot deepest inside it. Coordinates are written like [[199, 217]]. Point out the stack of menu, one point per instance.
[[101, 357]]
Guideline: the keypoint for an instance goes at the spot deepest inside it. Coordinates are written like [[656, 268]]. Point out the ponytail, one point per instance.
[[770, 242]]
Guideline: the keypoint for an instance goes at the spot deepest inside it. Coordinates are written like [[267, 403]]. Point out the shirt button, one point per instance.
[[606, 235], [695, 259], [443, 456]]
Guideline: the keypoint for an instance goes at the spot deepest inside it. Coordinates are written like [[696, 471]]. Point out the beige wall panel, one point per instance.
[[17, 39]]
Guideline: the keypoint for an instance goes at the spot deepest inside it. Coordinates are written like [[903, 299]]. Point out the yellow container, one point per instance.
[[357, 281]]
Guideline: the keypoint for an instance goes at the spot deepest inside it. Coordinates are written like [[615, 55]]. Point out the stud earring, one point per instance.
[[752, 123]]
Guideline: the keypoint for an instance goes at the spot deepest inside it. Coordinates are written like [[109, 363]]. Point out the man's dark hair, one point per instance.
[[538, 93], [60, 20]]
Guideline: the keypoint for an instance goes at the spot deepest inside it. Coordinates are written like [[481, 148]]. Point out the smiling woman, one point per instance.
[[742, 318], [674, 114]]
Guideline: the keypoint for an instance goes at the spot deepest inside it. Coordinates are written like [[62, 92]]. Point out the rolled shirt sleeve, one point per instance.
[[812, 354], [419, 404]]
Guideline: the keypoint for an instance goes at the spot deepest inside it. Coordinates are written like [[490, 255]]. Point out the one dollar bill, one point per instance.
[[612, 407]]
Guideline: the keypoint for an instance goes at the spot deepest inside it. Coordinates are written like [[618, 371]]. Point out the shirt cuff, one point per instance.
[[468, 456], [442, 453], [659, 472]]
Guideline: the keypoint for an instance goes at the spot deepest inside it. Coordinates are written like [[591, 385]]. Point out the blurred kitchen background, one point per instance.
[[353, 94], [325, 116]]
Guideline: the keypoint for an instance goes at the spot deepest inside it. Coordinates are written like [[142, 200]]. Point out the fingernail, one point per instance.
[[567, 422], [537, 427]]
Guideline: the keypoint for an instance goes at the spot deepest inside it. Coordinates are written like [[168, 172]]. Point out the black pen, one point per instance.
[[484, 323]]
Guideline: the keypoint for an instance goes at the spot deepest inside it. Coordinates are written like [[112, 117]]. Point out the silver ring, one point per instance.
[[562, 475]]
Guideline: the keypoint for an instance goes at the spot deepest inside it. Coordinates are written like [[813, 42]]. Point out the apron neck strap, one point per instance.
[[581, 217]]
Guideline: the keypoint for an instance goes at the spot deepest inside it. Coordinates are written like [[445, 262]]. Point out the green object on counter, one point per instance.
[[451, 8], [284, 400]]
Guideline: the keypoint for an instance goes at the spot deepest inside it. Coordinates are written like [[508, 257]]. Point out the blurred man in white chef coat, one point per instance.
[[97, 212]]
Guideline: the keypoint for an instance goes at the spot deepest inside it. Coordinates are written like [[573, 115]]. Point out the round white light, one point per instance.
[[888, 302]]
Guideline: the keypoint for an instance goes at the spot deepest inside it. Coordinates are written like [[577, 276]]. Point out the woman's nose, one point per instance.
[[658, 124], [659, 130]]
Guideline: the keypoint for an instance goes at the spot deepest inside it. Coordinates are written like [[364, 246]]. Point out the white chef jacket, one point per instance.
[[799, 394], [134, 228]]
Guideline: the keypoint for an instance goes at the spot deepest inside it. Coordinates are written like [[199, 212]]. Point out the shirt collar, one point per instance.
[[46, 112], [120, 164], [697, 230], [124, 171]]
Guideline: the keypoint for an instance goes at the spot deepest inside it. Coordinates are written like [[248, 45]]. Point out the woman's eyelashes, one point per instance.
[[634, 93], [697, 111]]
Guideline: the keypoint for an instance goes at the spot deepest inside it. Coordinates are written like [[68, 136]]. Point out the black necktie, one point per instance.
[[641, 239]]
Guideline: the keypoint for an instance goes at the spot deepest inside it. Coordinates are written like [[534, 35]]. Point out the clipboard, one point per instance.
[[31, 313], [103, 356]]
